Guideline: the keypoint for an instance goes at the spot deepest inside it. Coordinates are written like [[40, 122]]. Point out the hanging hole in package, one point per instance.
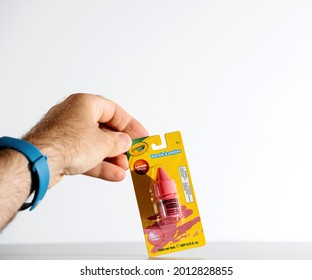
[[165, 194]]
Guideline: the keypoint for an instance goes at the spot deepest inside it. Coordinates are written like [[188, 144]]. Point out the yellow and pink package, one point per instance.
[[165, 194]]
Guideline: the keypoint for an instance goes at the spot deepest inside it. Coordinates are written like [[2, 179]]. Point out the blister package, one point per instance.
[[165, 194]]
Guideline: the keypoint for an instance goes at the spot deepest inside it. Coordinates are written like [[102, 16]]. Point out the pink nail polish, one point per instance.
[[167, 198]]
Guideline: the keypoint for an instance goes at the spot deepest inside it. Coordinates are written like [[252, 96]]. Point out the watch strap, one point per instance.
[[38, 166]]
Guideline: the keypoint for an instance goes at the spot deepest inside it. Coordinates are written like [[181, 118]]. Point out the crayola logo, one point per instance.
[[138, 149]]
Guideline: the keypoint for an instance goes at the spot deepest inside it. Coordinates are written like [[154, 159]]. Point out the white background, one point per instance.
[[233, 76]]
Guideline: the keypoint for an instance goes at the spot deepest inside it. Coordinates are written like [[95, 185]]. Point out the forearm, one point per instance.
[[15, 184], [15, 176]]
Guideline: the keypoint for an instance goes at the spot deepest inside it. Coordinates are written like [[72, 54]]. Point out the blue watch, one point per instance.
[[38, 165]]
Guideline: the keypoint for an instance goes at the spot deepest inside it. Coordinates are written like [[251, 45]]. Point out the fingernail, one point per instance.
[[125, 141]]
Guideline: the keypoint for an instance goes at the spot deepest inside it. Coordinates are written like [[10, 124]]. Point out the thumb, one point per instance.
[[114, 144], [118, 143]]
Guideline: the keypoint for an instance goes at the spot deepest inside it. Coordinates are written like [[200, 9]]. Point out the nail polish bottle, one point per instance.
[[167, 198]]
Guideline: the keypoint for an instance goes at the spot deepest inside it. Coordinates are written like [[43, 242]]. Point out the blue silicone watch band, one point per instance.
[[38, 167]]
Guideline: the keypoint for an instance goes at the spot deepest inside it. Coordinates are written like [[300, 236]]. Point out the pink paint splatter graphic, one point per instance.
[[171, 233]]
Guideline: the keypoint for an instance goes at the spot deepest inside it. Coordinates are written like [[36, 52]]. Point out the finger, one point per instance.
[[107, 171], [114, 143], [117, 118], [120, 160]]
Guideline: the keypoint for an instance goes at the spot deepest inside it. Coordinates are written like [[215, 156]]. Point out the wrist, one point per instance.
[[55, 157], [38, 167]]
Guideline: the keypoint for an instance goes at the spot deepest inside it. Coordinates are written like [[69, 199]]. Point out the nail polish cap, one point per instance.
[[164, 185]]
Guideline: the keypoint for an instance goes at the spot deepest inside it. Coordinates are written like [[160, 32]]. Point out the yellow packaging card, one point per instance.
[[165, 194]]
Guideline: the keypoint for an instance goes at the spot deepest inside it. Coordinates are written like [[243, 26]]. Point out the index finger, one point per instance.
[[118, 119]]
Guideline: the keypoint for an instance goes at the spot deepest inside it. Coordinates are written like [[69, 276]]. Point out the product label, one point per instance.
[[170, 206], [186, 184]]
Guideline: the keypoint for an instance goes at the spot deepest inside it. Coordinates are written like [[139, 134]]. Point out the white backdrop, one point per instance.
[[233, 76]]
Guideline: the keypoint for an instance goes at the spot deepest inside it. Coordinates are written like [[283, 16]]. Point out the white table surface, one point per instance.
[[137, 251]]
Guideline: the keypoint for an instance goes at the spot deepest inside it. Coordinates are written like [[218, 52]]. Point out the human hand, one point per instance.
[[86, 134]]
